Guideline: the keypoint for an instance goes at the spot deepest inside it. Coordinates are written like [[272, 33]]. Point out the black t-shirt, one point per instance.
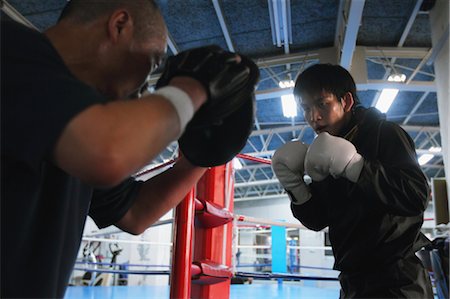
[[43, 209]]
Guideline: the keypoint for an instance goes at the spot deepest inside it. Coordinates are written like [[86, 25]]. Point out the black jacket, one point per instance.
[[375, 222]]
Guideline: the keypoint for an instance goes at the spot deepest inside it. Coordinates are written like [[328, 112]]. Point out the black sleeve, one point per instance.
[[109, 205], [39, 95], [394, 178], [314, 213]]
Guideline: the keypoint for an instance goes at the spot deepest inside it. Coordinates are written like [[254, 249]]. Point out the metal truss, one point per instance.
[[257, 181]]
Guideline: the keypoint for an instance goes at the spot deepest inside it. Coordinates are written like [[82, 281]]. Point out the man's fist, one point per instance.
[[287, 163], [335, 156]]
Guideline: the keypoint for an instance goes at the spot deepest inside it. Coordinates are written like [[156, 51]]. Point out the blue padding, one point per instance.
[[279, 249]]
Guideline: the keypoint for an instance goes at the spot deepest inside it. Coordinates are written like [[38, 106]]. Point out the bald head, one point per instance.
[[123, 41], [145, 13]]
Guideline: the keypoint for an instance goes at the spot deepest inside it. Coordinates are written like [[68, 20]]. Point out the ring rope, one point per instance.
[[268, 276], [137, 272], [118, 265], [126, 241]]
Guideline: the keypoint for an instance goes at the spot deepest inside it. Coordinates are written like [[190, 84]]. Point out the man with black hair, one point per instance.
[[71, 137], [367, 188]]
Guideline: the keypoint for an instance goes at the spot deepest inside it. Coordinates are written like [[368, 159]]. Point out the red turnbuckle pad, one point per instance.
[[209, 215], [209, 272]]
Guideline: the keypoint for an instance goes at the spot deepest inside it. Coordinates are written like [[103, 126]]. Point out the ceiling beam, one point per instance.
[[223, 25], [172, 45], [285, 59], [15, 15], [274, 197], [278, 130], [420, 86], [398, 52], [286, 19], [280, 23], [438, 46], [340, 25], [416, 106], [274, 22], [353, 21], [401, 67], [401, 42], [419, 67], [411, 20], [257, 183], [375, 52], [302, 57]]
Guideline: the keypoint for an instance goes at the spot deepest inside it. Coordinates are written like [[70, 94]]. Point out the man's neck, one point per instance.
[[79, 51]]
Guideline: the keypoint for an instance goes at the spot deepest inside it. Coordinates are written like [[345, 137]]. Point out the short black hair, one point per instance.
[[144, 12], [326, 77]]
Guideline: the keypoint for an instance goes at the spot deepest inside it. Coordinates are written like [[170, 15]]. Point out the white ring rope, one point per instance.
[[249, 219], [125, 241]]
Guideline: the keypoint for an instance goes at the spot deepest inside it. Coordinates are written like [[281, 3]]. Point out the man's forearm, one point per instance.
[[159, 195]]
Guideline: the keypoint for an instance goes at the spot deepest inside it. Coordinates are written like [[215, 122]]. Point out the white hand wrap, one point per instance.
[[287, 163], [181, 101], [335, 156]]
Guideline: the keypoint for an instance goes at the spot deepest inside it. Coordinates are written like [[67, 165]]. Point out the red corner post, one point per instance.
[[215, 244], [180, 279]]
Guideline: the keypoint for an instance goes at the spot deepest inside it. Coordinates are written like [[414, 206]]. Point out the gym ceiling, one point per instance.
[[381, 37]]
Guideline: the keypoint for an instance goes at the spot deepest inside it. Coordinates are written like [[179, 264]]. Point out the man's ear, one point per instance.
[[347, 102], [120, 24]]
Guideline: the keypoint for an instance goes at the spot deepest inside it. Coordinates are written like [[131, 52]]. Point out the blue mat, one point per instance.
[[247, 291]]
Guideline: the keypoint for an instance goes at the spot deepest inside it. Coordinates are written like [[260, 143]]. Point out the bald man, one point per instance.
[[72, 138]]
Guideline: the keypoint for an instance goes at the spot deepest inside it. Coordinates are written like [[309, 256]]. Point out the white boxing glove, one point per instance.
[[335, 156], [288, 165]]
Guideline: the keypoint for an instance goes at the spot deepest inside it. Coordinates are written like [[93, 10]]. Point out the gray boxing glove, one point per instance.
[[288, 165]]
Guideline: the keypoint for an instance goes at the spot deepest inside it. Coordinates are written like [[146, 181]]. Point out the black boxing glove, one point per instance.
[[220, 128], [219, 72]]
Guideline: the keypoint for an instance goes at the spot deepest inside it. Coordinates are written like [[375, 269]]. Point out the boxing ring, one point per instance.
[[205, 253]]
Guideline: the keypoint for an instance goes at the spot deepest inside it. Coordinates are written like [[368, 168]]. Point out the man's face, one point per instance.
[[151, 60], [324, 112], [146, 55], [133, 57]]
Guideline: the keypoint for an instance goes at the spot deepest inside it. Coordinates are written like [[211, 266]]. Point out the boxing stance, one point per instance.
[[367, 188], [72, 137]]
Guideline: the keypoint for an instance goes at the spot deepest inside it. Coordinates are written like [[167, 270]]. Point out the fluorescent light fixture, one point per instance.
[[436, 149], [397, 78], [289, 105], [286, 84], [237, 164], [425, 158], [388, 95], [386, 99]]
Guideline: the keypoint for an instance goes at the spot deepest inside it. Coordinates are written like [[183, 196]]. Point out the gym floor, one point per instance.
[[256, 290]]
